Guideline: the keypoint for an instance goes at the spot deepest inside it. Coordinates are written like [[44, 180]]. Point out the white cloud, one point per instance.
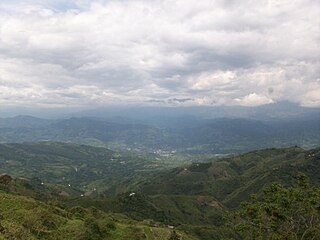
[[213, 52], [216, 80], [311, 98], [253, 99]]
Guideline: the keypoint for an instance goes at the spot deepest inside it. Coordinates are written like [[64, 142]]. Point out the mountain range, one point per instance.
[[183, 134]]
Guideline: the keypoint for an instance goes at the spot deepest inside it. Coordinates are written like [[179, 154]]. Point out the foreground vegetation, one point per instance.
[[26, 218], [282, 213]]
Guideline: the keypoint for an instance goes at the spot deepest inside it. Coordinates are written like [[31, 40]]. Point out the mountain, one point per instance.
[[232, 180], [283, 110], [279, 110], [196, 199], [185, 134], [21, 121]]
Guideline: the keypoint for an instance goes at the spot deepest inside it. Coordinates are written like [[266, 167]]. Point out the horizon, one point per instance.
[[279, 110], [159, 119]]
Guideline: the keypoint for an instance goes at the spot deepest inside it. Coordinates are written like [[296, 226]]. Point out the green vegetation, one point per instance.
[[188, 202], [282, 213], [25, 218], [234, 179], [86, 168], [69, 165]]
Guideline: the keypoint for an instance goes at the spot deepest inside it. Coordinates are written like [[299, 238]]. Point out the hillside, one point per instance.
[[91, 169], [25, 218], [232, 180], [194, 198], [69, 165]]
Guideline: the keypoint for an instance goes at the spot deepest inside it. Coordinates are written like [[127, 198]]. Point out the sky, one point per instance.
[[57, 53]]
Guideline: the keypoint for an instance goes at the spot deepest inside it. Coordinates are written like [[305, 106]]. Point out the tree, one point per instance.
[[282, 213]]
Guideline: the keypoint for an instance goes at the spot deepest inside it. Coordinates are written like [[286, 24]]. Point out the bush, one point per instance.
[[282, 213]]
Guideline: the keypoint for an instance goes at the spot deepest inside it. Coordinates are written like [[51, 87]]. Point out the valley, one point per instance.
[[122, 190], [159, 120], [156, 177], [178, 134]]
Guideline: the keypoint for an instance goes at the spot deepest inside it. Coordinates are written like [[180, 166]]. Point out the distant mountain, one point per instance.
[[191, 134], [20, 121], [276, 111]]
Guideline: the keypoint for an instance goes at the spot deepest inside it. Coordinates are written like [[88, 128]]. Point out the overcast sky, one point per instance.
[[169, 52]]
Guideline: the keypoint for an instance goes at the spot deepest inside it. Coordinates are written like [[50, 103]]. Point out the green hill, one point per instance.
[[194, 198], [69, 165], [232, 180], [25, 218]]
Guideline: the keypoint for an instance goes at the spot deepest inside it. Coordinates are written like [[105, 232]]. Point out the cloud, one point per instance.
[[253, 99], [84, 53]]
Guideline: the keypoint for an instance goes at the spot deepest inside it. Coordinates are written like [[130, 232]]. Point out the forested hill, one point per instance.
[[70, 165], [195, 198], [234, 179], [229, 180]]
